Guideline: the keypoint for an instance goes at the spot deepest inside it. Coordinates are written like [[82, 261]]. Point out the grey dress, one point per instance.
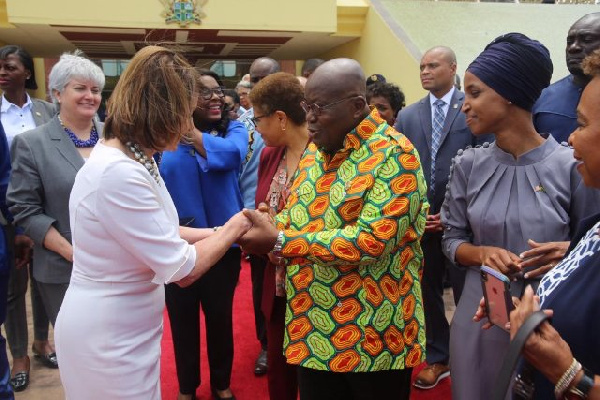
[[495, 200]]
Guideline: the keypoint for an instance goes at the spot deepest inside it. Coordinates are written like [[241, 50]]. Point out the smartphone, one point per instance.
[[496, 292]]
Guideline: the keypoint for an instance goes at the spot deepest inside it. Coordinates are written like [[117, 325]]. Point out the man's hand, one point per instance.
[[434, 224], [261, 238], [23, 250]]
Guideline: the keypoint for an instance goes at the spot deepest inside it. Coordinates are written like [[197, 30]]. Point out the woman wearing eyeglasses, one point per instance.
[[282, 124], [202, 178]]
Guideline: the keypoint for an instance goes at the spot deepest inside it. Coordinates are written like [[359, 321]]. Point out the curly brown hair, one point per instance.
[[153, 101], [591, 64], [280, 92]]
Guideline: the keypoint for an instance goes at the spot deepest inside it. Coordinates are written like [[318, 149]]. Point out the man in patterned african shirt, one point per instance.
[[349, 238]]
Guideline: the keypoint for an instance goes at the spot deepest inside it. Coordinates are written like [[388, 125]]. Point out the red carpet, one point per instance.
[[243, 382]]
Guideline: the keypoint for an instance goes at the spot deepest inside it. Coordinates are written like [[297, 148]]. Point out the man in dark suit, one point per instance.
[[438, 129]]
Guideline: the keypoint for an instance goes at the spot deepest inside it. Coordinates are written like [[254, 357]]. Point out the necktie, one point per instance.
[[436, 136]]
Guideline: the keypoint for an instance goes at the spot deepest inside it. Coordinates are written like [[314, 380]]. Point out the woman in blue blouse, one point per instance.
[[202, 177]]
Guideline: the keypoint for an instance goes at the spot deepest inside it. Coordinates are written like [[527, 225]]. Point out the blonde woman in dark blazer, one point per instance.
[[20, 113], [45, 161]]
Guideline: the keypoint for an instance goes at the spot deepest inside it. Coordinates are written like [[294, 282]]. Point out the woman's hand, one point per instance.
[[57, 243], [481, 313], [500, 259], [545, 349], [542, 255], [238, 223]]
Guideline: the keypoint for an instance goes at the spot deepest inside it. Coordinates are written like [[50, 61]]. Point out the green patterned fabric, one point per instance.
[[352, 229]]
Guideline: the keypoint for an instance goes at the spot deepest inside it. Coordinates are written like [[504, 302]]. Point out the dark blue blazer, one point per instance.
[[5, 216], [414, 122]]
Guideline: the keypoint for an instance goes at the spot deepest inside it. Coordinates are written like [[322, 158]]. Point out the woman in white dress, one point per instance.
[[126, 240]]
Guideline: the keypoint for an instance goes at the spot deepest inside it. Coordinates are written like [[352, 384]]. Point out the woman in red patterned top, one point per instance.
[[281, 121]]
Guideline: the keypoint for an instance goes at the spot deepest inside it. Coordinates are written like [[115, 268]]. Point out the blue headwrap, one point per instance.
[[516, 67]]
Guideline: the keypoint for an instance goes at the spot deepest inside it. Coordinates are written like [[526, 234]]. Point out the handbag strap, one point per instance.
[[514, 351]]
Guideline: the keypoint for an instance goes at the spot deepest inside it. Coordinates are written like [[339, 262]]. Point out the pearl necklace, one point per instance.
[[91, 142], [141, 157]]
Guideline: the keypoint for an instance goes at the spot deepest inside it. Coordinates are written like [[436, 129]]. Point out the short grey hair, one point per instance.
[[244, 84], [73, 65]]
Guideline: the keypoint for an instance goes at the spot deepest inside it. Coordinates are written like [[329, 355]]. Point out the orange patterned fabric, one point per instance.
[[352, 226]]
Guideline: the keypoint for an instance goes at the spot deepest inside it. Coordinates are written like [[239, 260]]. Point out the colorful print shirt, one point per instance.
[[352, 226]]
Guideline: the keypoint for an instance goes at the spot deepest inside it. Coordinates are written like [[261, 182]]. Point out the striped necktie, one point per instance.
[[436, 136]]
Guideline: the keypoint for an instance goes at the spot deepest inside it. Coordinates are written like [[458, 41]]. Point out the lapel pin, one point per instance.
[[38, 114], [455, 105]]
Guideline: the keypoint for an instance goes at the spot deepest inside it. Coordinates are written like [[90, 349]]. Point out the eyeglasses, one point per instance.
[[207, 93], [256, 120], [316, 109]]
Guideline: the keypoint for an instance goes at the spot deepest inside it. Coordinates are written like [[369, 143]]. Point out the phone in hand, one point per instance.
[[496, 292]]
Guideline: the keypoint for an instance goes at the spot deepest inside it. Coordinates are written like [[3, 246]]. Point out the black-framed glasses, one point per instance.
[[316, 109], [256, 119], [207, 93]]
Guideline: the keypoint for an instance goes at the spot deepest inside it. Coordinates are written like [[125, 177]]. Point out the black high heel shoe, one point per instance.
[[48, 359], [216, 396]]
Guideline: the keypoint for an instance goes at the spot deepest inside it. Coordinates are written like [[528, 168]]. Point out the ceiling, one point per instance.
[[121, 43]]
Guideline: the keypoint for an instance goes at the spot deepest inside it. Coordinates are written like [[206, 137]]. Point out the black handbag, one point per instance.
[[523, 388]]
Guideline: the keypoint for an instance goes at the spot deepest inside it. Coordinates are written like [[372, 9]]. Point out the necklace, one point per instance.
[[91, 142], [141, 157]]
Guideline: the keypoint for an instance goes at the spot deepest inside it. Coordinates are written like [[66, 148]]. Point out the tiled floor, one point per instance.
[[45, 382]]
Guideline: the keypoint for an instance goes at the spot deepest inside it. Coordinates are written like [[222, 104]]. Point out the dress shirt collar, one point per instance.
[[446, 98], [7, 104]]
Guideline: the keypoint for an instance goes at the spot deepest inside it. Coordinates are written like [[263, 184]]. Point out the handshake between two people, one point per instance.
[[257, 227]]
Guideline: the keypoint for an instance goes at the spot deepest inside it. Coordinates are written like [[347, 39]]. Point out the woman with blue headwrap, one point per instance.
[[512, 205]]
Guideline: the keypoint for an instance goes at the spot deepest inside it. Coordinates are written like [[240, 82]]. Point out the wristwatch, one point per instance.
[[583, 387], [278, 245]]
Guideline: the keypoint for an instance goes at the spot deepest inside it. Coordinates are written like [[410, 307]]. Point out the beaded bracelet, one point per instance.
[[565, 380]]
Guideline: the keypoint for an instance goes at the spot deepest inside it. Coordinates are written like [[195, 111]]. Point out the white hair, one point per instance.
[[243, 84], [73, 65]]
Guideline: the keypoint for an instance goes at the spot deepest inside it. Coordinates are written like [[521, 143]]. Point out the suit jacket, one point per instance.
[[42, 111], [414, 122], [44, 164]]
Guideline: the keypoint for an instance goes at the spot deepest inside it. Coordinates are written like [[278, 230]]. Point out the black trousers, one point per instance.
[[437, 328], [325, 385], [257, 273], [6, 391], [214, 291], [282, 377]]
